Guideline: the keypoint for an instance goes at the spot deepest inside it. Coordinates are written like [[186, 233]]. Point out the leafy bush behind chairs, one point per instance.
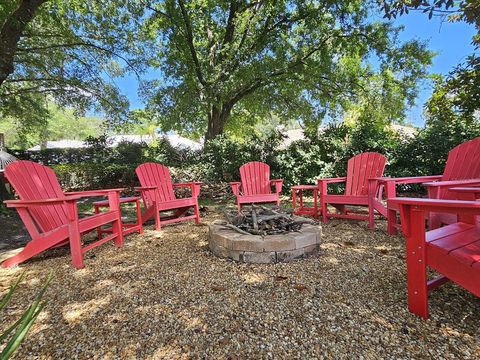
[[87, 176], [222, 157], [319, 155], [427, 152]]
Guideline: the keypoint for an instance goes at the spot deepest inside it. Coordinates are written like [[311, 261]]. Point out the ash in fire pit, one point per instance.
[[264, 235]]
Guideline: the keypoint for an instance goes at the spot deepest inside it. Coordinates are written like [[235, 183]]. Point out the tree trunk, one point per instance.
[[217, 119], [11, 32]]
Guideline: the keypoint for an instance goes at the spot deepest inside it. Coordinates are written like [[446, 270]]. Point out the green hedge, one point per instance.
[[323, 155], [86, 176]]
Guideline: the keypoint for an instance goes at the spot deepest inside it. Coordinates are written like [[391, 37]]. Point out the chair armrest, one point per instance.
[[451, 183], [331, 180], [52, 201], [468, 190], [407, 180], [323, 183], [278, 185], [235, 187], [187, 184], [429, 205], [193, 185], [411, 208], [145, 188], [466, 193], [93, 193]]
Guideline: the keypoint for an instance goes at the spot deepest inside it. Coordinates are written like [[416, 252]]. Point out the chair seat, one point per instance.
[[347, 199], [454, 251], [177, 203], [460, 241], [123, 200]]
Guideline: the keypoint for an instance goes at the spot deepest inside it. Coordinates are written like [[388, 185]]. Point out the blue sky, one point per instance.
[[452, 42]]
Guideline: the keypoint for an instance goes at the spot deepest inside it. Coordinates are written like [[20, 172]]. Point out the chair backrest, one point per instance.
[[360, 168], [158, 175], [255, 177], [463, 163], [33, 181]]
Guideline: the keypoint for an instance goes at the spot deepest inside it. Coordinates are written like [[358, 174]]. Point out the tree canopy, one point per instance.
[[459, 93], [224, 64], [69, 52]]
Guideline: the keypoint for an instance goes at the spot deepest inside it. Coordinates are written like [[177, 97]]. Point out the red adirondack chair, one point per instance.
[[158, 195], [51, 216], [255, 185], [452, 250], [462, 169], [360, 169]]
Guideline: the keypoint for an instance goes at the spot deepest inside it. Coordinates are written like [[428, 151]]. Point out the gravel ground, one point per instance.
[[165, 296]]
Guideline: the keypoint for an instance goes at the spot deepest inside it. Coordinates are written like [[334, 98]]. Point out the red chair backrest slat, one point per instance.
[[153, 174], [33, 181], [360, 168], [255, 178], [463, 163]]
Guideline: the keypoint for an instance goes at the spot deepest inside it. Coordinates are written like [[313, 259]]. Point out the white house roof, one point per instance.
[[180, 141], [60, 144], [297, 134], [291, 136], [406, 130], [114, 140]]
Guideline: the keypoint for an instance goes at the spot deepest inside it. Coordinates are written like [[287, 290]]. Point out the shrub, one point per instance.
[[318, 155], [86, 176]]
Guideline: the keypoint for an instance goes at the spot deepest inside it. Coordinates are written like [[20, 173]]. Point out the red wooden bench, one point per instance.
[[360, 169], [255, 185], [452, 250], [158, 195], [462, 169], [51, 216]]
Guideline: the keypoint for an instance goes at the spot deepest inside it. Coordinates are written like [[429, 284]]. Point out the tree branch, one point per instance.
[[84, 44], [11, 32], [191, 46], [230, 28]]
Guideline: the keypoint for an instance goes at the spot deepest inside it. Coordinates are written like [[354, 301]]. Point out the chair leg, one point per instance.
[[323, 206], [197, 214], [75, 245], [99, 229], [33, 247], [139, 217], [371, 218], [117, 227], [392, 222], [158, 226], [416, 266], [371, 210]]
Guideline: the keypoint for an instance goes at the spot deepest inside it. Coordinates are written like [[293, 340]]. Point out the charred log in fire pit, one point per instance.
[[260, 220]]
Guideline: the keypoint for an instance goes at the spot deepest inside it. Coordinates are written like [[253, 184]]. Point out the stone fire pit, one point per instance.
[[263, 249]]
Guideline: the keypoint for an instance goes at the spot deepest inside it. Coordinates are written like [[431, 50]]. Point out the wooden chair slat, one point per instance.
[[163, 198], [255, 184], [360, 169], [52, 224]]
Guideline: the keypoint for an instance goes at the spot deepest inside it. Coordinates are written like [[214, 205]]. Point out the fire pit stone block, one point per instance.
[[228, 243]]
